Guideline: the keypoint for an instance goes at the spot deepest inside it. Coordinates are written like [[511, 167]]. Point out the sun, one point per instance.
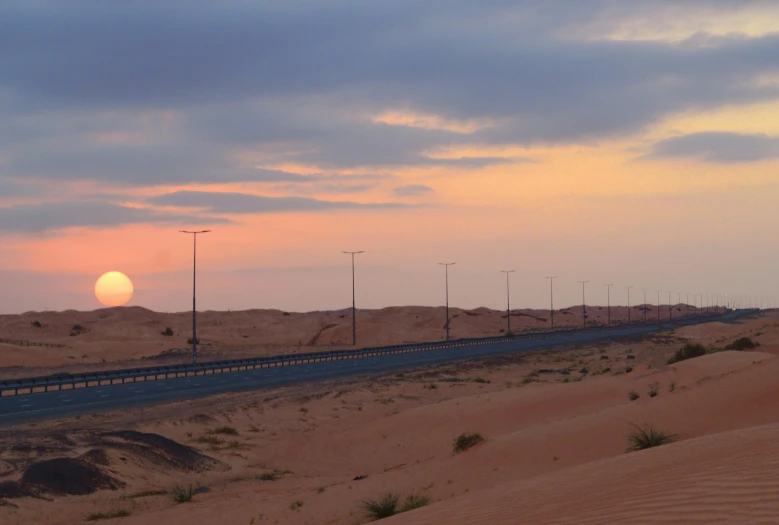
[[114, 289]]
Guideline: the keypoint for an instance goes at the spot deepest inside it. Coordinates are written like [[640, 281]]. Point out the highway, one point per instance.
[[70, 402]]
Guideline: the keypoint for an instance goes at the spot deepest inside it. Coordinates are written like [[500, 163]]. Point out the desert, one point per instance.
[[551, 448]]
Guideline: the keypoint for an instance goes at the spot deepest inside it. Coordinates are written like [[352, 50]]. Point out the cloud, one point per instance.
[[302, 81], [244, 203], [48, 217], [718, 147], [412, 190]]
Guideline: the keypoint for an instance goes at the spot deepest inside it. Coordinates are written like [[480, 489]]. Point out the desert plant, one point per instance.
[[633, 395], [230, 431], [189, 341], [273, 475], [384, 507], [414, 501], [646, 436], [688, 351], [672, 386], [295, 505], [146, 493], [36, 324], [431, 386], [743, 343], [210, 440], [465, 441], [653, 388], [481, 380], [183, 495], [108, 515], [167, 332]]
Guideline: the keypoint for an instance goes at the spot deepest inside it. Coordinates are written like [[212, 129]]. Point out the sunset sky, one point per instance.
[[634, 143]]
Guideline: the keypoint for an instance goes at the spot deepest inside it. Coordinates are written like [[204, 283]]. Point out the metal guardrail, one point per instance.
[[32, 385]]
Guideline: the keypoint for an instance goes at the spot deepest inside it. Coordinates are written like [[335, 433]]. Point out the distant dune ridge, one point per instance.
[[128, 333]]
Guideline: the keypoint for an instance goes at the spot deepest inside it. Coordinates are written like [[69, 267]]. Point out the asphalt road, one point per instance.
[[17, 409]]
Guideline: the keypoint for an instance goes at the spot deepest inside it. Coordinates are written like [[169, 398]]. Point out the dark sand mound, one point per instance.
[[68, 476], [160, 450]]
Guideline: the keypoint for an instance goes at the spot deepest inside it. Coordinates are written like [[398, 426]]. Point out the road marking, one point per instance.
[[106, 395], [25, 406]]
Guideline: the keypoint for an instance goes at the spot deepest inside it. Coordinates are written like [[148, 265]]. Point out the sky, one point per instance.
[[633, 143]]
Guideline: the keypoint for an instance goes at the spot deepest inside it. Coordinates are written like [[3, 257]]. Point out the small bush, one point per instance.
[[146, 493], [481, 380], [414, 501], [36, 324], [672, 386], [647, 436], [743, 343], [210, 440], [167, 332], [274, 475], [77, 328], [189, 341], [653, 388], [295, 505], [233, 444], [431, 386], [465, 441], [384, 507], [108, 515], [688, 351], [633, 395], [229, 431], [183, 495]]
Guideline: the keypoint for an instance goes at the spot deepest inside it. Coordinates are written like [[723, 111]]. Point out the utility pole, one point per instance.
[[354, 306], [608, 301], [658, 306], [644, 304], [508, 303], [194, 287], [584, 309], [629, 287], [551, 298], [446, 266], [670, 308]]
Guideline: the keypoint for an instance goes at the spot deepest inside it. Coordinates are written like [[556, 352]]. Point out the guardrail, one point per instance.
[[32, 385]]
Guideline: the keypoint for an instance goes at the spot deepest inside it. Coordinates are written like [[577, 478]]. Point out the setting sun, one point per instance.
[[114, 289]]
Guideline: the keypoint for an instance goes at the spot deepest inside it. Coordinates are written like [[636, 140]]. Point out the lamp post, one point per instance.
[[644, 304], [629, 287], [508, 302], [670, 310], [194, 288], [354, 307], [446, 266], [608, 301], [658, 305], [584, 309], [551, 298]]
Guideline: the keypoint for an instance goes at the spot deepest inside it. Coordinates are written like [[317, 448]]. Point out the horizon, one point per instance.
[[626, 144]]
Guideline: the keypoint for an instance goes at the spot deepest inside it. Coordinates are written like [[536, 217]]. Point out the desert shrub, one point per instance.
[[230, 431], [672, 386], [646, 436], [688, 351], [295, 505], [743, 343], [481, 380], [77, 328], [108, 515], [414, 501], [633, 395], [431, 386], [653, 388], [628, 369], [211, 440], [146, 493], [36, 324], [189, 341], [384, 507], [183, 495], [465, 441], [274, 475], [167, 332]]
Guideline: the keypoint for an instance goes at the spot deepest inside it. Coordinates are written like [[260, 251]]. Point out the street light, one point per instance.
[[608, 301], [551, 298], [629, 287], [354, 308], [670, 310], [658, 305], [584, 310], [194, 282], [644, 304], [508, 302], [446, 266]]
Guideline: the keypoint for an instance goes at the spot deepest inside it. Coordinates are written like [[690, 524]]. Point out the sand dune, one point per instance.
[[555, 451]]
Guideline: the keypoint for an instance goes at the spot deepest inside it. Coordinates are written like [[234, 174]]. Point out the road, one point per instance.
[[39, 406]]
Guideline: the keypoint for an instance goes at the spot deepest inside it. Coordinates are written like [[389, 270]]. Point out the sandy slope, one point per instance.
[[554, 451]]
